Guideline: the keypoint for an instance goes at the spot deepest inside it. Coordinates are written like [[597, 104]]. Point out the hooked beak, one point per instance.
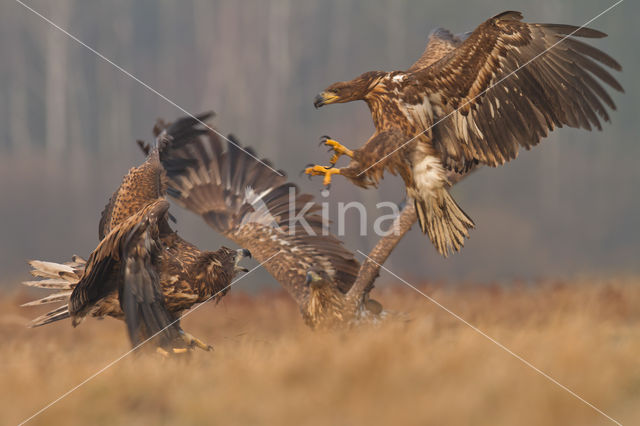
[[314, 280], [324, 98], [241, 254]]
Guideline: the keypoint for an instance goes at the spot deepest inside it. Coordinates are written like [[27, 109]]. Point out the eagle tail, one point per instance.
[[61, 277], [57, 314], [444, 221]]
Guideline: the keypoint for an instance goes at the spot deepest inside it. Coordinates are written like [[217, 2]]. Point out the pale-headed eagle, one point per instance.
[[141, 271], [471, 99]]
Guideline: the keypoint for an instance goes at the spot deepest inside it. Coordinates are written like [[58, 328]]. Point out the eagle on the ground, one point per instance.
[[471, 99], [232, 190], [141, 271]]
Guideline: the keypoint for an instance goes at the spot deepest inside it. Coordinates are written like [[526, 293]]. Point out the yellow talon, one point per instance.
[[192, 341], [338, 149], [327, 172], [174, 351]]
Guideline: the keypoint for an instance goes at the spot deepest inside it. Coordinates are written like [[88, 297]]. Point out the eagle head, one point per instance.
[[241, 254], [347, 91], [222, 262], [316, 280]]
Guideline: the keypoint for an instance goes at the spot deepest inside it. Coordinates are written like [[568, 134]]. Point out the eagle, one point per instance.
[[470, 100], [231, 189], [142, 271]]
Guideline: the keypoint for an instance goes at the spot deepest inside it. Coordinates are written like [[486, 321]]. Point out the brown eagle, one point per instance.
[[248, 203], [471, 99], [141, 271]]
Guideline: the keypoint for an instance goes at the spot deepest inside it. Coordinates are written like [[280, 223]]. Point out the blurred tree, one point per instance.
[[68, 121]]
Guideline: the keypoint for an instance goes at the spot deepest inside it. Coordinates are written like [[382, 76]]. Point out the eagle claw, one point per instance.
[[190, 343], [193, 342], [323, 139], [337, 148], [172, 351], [327, 172]]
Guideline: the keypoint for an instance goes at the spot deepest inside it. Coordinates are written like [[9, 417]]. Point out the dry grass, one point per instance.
[[423, 368]]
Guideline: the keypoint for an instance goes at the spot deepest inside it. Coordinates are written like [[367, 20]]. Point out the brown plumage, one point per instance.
[[460, 105], [141, 271], [251, 205]]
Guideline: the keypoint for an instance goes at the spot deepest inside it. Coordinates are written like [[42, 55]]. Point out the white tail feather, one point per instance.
[[52, 298], [57, 314], [49, 269], [55, 283], [62, 277], [76, 261], [444, 221]]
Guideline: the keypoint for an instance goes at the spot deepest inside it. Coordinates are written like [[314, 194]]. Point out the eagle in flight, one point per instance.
[[240, 198], [471, 99], [141, 271], [231, 189]]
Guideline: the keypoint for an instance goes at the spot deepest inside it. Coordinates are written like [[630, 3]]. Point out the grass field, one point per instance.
[[421, 367]]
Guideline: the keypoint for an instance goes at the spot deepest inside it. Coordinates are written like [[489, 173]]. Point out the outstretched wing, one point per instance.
[[127, 260], [250, 204], [509, 84]]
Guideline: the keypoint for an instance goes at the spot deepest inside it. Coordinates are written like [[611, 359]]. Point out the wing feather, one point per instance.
[[439, 43], [140, 186], [509, 83], [250, 204], [127, 261]]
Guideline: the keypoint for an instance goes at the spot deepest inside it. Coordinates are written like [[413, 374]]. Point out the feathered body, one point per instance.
[[241, 198], [141, 271], [260, 210], [473, 99], [251, 205]]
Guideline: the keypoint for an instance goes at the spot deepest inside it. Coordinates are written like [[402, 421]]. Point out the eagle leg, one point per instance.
[[190, 342], [327, 172], [337, 148], [175, 351], [193, 341]]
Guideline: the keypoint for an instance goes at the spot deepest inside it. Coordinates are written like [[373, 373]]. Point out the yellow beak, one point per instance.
[[324, 98]]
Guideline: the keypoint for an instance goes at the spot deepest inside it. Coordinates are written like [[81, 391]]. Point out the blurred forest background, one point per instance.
[[69, 120]]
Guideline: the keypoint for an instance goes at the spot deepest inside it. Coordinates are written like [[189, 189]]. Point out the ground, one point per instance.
[[423, 366]]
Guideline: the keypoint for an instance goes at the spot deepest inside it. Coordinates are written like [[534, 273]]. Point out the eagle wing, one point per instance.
[[250, 204], [127, 260], [508, 85], [140, 186], [439, 43]]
